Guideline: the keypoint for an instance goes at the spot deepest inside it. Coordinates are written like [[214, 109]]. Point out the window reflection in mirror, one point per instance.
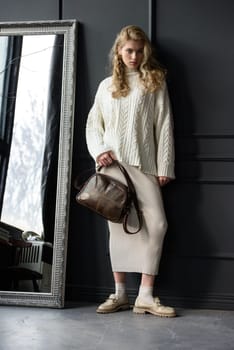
[[29, 120], [22, 195]]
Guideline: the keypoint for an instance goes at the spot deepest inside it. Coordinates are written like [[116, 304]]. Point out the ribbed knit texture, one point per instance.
[[138, 128]]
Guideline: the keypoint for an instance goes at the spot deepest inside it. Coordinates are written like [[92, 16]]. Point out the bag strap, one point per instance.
[[132, 191]]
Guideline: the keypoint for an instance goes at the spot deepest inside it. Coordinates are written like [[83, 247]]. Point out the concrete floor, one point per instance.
[[79, 327]]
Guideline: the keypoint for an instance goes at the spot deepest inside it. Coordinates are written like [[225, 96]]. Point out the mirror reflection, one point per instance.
[[30, 98]]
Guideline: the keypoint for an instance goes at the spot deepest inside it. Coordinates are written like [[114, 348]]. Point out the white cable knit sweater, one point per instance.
[[138, 128]]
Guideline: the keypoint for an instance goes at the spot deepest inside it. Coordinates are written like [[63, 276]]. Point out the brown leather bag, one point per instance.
[[110, 198]]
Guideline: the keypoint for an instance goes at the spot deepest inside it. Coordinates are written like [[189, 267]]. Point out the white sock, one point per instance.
[[146, 294], [120, 289]]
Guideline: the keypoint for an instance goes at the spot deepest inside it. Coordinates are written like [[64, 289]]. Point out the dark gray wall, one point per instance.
[[194, 39], [28, 10], [195, 42]]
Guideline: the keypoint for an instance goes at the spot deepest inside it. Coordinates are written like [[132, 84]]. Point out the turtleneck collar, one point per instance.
[[131, 71]]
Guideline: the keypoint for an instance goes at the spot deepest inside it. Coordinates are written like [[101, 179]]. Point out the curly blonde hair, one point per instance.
[[151, 74]]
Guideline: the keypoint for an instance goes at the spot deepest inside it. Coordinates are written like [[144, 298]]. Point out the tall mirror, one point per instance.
[[37, 84]]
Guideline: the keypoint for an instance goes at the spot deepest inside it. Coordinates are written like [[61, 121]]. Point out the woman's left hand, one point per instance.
[[163, 180]]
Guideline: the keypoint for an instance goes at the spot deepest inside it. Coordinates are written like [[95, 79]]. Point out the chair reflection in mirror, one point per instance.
[[28, 263]]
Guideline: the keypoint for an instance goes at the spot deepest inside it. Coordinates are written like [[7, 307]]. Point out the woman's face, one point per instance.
[[132, 53]]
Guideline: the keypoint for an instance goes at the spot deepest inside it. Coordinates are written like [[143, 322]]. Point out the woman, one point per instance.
[[131, 121]]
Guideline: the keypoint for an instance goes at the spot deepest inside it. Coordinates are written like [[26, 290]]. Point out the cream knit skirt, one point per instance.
[[140, 252]]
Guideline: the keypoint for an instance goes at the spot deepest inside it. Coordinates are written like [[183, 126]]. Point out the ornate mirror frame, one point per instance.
[[68, 28]]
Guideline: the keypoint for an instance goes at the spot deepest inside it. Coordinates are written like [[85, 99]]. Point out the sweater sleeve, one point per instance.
[[95, 128], [164, 134]]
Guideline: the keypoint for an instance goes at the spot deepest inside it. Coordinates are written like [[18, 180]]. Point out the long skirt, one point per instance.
[[140, 252]]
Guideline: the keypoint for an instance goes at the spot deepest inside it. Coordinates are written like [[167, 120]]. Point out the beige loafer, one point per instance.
[[113, 304], [156, 308]]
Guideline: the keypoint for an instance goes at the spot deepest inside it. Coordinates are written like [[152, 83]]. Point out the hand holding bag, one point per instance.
[[110, 198]]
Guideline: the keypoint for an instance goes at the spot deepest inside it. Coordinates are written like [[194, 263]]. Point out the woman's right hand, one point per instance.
[[106, 158]]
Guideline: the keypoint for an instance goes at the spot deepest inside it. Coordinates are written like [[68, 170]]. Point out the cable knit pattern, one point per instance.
[[137, 128]]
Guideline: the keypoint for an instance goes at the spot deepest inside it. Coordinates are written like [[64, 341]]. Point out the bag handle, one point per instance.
[[132, 191]]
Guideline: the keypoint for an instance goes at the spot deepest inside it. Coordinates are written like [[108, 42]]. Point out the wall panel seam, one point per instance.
[[60, 4]]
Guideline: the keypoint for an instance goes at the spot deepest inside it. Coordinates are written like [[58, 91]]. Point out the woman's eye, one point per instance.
[[130, 51]]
